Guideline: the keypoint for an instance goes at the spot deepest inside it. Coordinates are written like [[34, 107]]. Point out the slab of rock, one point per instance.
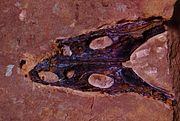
[[26, 30], [130, 107]]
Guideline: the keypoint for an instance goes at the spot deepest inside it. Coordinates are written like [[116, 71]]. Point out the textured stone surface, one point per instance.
[[26, 30], [174, 57], [175, 67], [150, 62], [43, 21]]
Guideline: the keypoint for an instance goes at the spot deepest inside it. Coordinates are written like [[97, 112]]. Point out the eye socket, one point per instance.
[[100, 43], [100, 80]]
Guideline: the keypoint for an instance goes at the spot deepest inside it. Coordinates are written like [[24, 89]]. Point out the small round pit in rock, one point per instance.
[[70, 74], [100, 80]]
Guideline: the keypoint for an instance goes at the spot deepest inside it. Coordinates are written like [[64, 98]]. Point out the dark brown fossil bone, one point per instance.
[[76, 55]]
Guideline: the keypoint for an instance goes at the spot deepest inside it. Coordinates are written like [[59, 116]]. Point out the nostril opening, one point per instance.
[[22, 62], [25, 75]]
